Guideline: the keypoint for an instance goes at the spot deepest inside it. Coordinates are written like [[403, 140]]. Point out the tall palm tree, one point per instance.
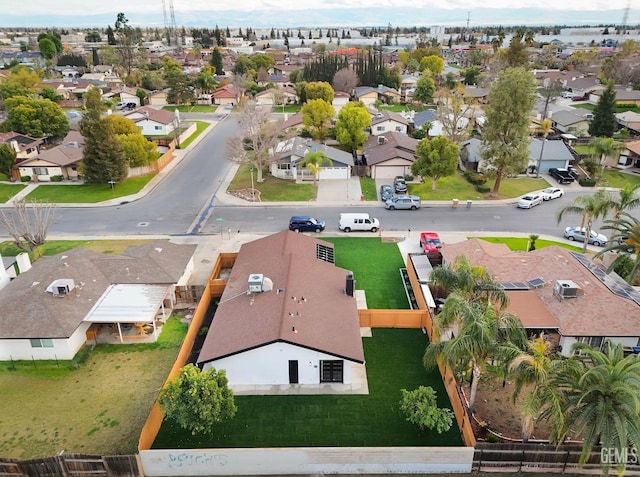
[[628, 198], [315, 161], [625, 242], [599, 399], [483, 333], [589, 207], [545, 127], [605, 147]]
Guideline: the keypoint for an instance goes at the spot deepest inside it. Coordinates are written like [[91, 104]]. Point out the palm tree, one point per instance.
[[545, 127], [589, 207], [314, 161], [598, 398], [625, 242], [628, 198], [483, 334], [605, 147]]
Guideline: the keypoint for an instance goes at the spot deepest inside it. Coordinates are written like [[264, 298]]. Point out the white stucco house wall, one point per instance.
[[154, 122]]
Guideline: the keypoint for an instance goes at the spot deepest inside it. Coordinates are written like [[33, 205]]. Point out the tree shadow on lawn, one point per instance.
[[394, 361]]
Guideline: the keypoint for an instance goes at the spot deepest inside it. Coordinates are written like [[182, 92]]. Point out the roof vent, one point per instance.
[[61, 287], [255, 283], [566, 289], [381, 140]]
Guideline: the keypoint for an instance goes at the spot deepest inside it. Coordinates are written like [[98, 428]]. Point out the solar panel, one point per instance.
[[514, 286], [536, 282], [507, 285]]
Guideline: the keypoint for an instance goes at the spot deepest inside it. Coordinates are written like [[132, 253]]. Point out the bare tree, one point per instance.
[[239, 83], [456, 113], [345, 80], [28, 224], [257, 140]]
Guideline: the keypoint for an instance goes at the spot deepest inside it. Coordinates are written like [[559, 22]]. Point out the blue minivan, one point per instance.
[[305, 223]]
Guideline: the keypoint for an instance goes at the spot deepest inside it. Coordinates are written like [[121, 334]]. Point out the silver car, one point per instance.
[[577, 233], [529, 200], [403, 202]]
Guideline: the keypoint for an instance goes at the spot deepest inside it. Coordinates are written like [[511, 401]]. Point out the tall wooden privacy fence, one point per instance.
[[72, 465]]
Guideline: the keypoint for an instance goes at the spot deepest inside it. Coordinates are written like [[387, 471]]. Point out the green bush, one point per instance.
[[475, 178], [57, 178], [408, 177], [25, 178], [587, 182], [483, 188]]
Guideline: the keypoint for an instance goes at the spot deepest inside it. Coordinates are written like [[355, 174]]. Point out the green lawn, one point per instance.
[[289, 108], [368, 186], [200, 108], [399, 107], [393, 359], [272, 189], [9, 190], [620, 179], [584, 149], [457, 187], [88, 193], [375, 266], [521, 243], [98, 407], [200, 127]]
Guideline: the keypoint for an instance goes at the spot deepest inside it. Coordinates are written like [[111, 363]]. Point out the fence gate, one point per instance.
[[189, 294], [360, 171]]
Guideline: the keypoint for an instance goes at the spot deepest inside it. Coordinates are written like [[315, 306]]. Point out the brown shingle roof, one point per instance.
[[30, 312], [324, 317], [598, 312], [396, 146]]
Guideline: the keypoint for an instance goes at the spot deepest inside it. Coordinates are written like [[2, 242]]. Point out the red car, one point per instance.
[[430, 242]]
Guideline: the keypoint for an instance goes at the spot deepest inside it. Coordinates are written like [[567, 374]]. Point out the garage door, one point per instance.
[[389, 172], [334, 173]]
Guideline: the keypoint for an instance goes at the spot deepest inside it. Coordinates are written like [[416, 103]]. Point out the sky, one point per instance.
[[303, 13]]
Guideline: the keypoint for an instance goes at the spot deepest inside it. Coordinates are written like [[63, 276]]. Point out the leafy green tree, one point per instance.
[[198, 400], [21, 81], [425, 87], [55, 39], [315, 161], [505, 137], [597, 399], [206, 80], [316, 117], [295, 76], [111, 38], [138, 150], [242, 66], [216, 61], [437, 158], [471, 75], [589, 207], [264, 60], [319, 90], [517, 55], [180, 88], [48, 92], [142, 95], [353, 118], [121, 124], [604, 121], [103, 159], [7, 158], [47, 48], [36, 117], [433, 63], [93, 37], [301, 91], [420, 406]]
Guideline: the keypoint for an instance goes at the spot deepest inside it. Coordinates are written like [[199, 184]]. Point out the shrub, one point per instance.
[[408, 177], [57, 178], [587, 182], [25, 178], [483, 189], [474, 178]]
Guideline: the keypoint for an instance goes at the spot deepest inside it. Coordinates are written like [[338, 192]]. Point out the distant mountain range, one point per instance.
[[348, 17]]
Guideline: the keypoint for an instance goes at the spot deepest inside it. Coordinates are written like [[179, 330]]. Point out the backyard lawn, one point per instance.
[[522, 244], [88, 193], [9, 190], [393, 359], [98, 407]]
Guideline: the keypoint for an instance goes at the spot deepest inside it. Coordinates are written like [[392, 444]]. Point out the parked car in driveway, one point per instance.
[[411, 202], [430, 242], [400, 185], [386, 192], [577, 234], [528, 201], [551, 193]]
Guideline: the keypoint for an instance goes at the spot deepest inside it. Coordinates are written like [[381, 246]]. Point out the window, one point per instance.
[[379, 128], [285, 166], [331, 371], [158, 128], [40, 171], [593, 341], [398, 128], [41, 343]]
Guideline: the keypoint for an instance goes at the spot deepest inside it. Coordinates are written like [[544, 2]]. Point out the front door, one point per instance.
[[293, 371]]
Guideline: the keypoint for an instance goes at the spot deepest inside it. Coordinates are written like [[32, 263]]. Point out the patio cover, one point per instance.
[[128, 303]]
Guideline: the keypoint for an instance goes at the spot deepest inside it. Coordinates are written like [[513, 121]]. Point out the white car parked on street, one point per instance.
[[551, 193], [529, 200]]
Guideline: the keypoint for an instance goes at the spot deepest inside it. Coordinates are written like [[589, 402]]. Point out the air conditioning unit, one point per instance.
[[381, 140], [255, 282], [566, 289]]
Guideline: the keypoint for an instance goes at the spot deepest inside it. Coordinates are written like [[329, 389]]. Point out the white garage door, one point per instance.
[[334, 173], [389, 172]]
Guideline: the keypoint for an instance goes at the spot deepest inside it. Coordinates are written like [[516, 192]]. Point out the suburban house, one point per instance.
[[276, 96], [561, 293], [292, 151], [158, 98], [390, 154], [572, 122], [287, 317], [407, 87], [154, 122], [26, 147], [424, 118], [12, 267], [369, 95], [630, 157], [584, 85], [59, 161], [128, 95], [80, 295], [225, 95], [387, 121], [293, 122], [629, 120], [555, 154], [340, 99], [627, 96]]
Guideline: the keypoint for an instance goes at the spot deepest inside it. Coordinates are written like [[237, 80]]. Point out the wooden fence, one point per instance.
[[393, 318], [72, 465], [541, 458]]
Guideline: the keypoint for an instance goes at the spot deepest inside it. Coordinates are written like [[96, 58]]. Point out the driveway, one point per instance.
[[339, 191]]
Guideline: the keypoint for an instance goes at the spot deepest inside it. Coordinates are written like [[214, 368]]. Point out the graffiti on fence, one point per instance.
[[185, 459]]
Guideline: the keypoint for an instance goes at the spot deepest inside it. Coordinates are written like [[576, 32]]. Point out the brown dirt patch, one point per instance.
[[495, 407]]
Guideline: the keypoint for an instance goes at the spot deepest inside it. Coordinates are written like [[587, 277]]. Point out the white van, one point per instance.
[[349, 222]]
